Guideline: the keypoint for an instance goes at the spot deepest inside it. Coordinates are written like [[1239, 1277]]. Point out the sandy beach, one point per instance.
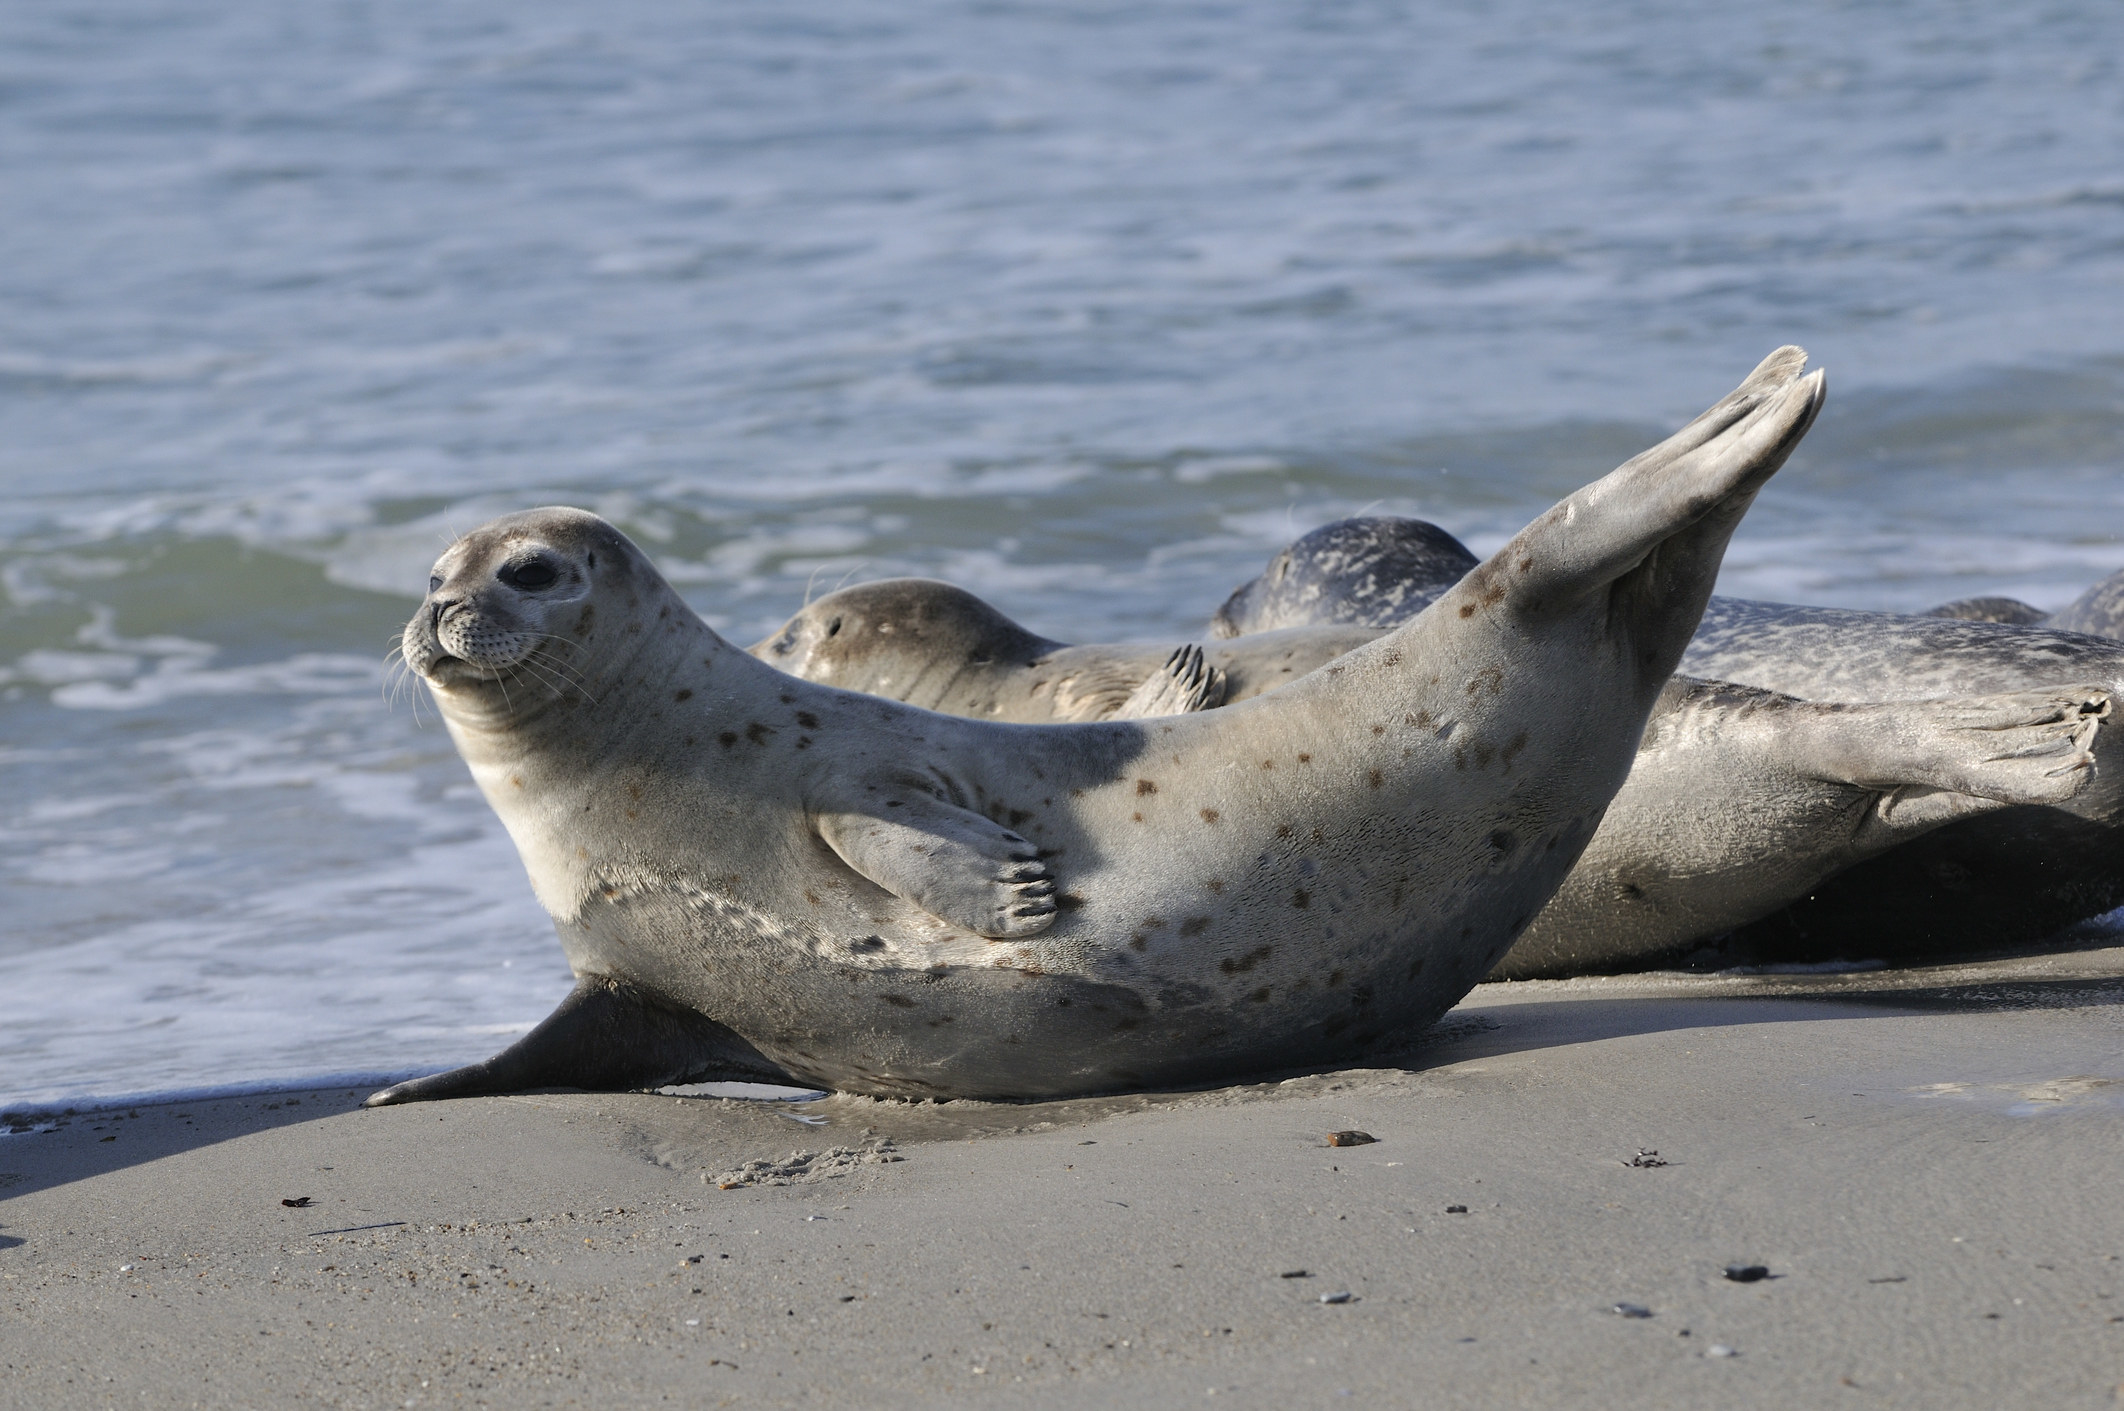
[[1923, 1160]]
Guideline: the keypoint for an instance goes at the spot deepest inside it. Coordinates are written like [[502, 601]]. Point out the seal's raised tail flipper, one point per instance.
[[605, 1037], [1651, 533], [1186, 683], [1772, 373]]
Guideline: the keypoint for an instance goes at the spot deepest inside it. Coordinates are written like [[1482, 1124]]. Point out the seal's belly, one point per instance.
[[1245, 988]]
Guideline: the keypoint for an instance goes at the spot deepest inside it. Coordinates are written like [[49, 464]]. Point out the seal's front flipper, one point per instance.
[[1185, 684], [605, 1037], [950, 861]]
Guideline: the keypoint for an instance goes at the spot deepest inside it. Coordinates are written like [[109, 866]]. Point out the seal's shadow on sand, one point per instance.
[[691, 1134]]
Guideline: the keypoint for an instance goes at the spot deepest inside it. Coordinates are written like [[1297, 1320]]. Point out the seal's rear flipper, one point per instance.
[[605, 1037], [1650, 534], [1186, 683], [2020, 747]]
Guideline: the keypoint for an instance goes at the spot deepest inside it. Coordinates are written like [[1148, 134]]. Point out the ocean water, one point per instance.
[[1088, 308]]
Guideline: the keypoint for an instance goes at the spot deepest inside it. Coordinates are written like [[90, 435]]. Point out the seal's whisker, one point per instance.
[[549, 675]]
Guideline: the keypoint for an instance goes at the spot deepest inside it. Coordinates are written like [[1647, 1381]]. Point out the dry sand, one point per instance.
[[1926, 1161]]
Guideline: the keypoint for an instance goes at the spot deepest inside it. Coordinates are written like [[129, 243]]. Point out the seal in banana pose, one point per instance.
[[1740, 801], [757, 876]]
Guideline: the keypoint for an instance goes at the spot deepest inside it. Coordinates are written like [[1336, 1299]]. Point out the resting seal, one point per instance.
[[1740, 801], [757, 876], [1983, 883], [2098, 612]]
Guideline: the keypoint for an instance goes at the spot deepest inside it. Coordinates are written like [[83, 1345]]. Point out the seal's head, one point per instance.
[[895, 630], [1374, 571], [513, 601]]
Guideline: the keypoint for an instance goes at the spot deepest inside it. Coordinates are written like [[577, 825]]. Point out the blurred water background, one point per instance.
[[1087, 307]]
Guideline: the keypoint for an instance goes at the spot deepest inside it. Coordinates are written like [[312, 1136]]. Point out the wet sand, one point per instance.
[[1925, 1161]]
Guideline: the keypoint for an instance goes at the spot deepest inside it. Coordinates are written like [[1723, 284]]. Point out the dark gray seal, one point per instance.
[[2098, 612]]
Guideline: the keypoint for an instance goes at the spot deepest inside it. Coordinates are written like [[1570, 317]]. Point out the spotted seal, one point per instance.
[[755, 876]]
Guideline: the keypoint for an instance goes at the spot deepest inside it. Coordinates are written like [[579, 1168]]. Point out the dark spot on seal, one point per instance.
[[1378, 729], [727, 739], [1305, 759], [1268, 764], [1194, 925], [1124, 1025], [1017, 816], [1375, 779], [1067, 901], [898, 1001], [1137, 817], [1283, 830], [1334, 978], [1301, 898], [1415, 967], [1259, 996], [1216, 884], [804, 718], [940, 1021], [1210, 815], [1145, 786], [1137, 940], [803, 742], [758, 733], [1245, 962]]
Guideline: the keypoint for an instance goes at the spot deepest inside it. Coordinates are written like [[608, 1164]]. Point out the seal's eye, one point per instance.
[[435, 582], [531, 574]]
